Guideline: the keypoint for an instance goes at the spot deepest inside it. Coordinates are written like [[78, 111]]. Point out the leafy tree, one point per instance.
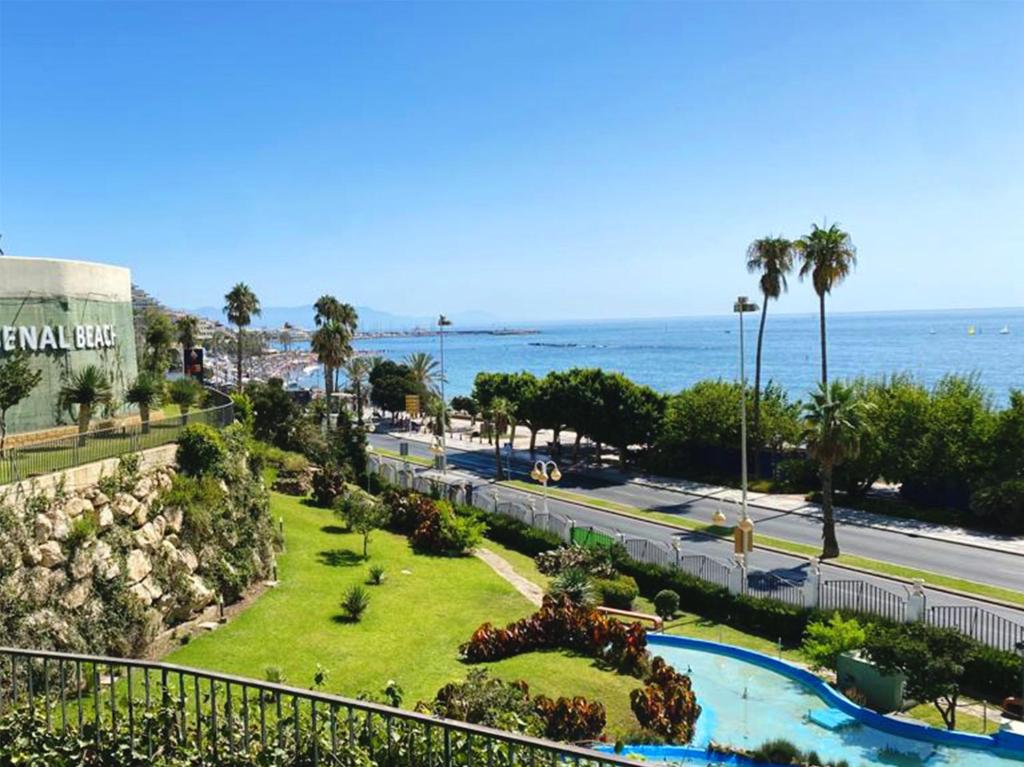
[[187, 327], [833, 425], [185, 393], [772, 259], [240, 306], [828, 256], [364, 515], [17, 380], [629, 415], [390, 382], [466, 405], [1006, 445], [158, 337], [357, 371], [146, 392], [275, 414], [931, 659], [87, 389], [824, 641], [500, 414]]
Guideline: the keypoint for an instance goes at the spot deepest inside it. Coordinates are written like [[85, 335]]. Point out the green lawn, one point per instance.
[[410, 633], [792, 547]]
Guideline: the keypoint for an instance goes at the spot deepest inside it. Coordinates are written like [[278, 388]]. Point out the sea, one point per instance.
[[671, 354]]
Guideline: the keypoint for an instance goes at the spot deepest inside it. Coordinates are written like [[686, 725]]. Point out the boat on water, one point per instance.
[[970, 330], [1004, 330]]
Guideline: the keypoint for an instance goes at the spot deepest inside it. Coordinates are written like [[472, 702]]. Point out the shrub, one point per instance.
[[482, 699], [666, 704], [328, 486], [597, 561], [513, 533], [201, 450], [355, 602], [571, 719], [795, 475], [1001, 504], [573, 584], [825, 642], [244, 410], [617, 592], [82, 529], [666, 603], [376, 575]]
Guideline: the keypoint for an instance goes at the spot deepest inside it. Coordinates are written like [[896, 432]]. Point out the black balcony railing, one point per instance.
[[159, 711]]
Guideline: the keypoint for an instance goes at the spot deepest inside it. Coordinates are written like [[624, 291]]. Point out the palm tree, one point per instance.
[[145, 393], [332, 344], [828, 256], [240, 306], [184, 392], [425, 370], [357, 371], [500, 415], [834, 421], [188, 328], [329, 309], [87, 389], [772, 258]]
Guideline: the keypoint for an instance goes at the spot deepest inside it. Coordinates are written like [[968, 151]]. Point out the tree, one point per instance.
[[932, 660], [466, 405], [158, 337], [390, 382], [328, 310], [364, 515], [184, 392], [357, 371], [426, 370], [833, 423], [145, 393], [772, 258], [86, 389], [188, 330], [275, 414], [825, 642], [332, 344], [499, 413], [17, 380], [240, 306], [629, 414], [828, 257]]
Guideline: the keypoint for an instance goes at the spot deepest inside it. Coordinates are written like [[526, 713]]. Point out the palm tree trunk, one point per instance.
[[497, 457], [184, 414], [533, 441], [239, 344], [821, 319], [756, 430], [144, 417], [84, 416], [576, 446], [830, 546]]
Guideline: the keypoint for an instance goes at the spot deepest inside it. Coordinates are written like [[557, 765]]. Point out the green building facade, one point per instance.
[[65, 315]]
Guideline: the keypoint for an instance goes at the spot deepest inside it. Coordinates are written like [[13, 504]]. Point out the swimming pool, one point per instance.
[[748, 698]]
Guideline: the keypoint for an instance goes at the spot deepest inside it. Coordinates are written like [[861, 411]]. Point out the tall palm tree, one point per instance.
[[87, 389], [772, 258], [329, 309], [188, 329], [834, 421], [828, 257], [357, 371], [240, 306], [332, 344], [500, 415], [145, 393], [425, 370]]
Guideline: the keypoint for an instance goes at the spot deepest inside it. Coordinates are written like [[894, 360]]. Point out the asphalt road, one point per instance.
[[984, 566]]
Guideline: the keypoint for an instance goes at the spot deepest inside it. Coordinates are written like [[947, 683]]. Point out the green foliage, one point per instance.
[[795, 475], [597, 561], [376, 575], [276, 416], [185, 393], [1002, 504], [466, 405], [666, 603], [245, 410], [17, 380], [824, 641], [82, 529], [158, 337], [618, 592], [513, 533], [363, 514], [328, 486], [201, 450], [482, 699], [390, 382], [573, 584], [933, 661], [666, 704], [355, 601]]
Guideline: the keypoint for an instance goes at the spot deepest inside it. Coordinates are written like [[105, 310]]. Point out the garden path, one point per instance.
[[533, 593]]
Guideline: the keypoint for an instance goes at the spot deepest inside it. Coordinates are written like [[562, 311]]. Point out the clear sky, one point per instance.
[[531, 160]]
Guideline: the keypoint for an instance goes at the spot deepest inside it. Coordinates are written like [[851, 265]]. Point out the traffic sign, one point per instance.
[[412, 404]]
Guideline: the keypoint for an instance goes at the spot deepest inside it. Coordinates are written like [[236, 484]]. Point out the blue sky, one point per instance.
[[531, 160]]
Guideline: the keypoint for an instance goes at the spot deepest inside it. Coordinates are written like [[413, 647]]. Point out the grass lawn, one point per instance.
[[863, 563], [410, 632]]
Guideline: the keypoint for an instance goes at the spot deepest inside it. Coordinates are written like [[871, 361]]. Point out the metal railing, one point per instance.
[[861, 597], [161, 710], [987, 627], [772, 586], [62, 453]]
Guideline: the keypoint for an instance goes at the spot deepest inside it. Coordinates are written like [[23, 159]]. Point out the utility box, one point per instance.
[[883, 692]]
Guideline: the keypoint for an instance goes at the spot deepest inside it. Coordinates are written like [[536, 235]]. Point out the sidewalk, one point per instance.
[[786, 504]]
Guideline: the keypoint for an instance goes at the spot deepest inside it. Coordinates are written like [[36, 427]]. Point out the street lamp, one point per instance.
[[544, 471], [442, 323], [741, 307], [369, 450]]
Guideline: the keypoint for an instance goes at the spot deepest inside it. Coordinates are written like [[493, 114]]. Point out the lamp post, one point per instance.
[[369, 450], [741, 307], [543, 472], [442, 323]]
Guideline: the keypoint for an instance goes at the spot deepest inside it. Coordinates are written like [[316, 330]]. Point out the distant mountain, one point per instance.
[[370, 320]]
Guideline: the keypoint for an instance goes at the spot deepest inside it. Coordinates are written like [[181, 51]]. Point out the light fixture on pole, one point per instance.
[[442, 323], [741, 307], [543, 472]]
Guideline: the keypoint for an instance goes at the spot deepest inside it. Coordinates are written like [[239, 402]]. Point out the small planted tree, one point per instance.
[[87, 389], [145, 393], [824, 642], [355, 602], [184, 392], [364, 515], [17, 380]]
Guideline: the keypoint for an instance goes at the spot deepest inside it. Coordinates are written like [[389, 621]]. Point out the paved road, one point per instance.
[[937, 556]]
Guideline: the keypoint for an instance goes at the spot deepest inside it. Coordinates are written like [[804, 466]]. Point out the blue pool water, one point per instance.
[[745, 704]]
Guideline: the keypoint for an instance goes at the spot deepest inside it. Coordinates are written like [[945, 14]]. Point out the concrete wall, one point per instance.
[[65, 296]]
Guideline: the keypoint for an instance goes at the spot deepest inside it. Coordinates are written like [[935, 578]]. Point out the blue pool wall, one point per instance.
[[1005, 742]]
